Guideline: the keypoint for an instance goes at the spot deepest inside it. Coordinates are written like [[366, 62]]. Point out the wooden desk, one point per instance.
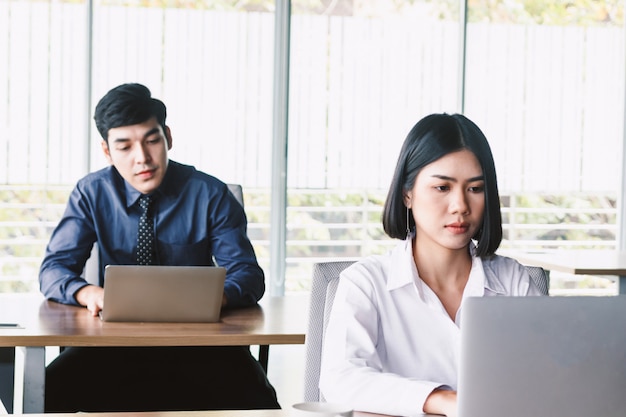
[[578, 262], [225, 413], [276, 320]]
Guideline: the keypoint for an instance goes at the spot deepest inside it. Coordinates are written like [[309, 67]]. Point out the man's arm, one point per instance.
[[66, 253], [232, 249]]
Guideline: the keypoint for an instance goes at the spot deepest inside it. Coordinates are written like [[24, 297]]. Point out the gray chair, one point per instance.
[[323, 290], [540, 277], [237, 191]]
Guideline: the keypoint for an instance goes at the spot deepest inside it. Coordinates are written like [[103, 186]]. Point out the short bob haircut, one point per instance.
[[431, 138], [127, 105]]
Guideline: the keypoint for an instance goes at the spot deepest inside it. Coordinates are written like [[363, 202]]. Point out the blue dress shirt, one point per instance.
[[196, 219]]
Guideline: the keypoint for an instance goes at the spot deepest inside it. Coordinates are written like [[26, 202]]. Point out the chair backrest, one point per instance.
[[540, 277], [237, 191], [323, 290], [91, 272]]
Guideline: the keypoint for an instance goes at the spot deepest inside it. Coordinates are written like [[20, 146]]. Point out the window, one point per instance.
[[545, 84], [362, 74]]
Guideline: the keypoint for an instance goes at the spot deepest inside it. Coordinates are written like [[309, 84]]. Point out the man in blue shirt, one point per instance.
[[196, 221]]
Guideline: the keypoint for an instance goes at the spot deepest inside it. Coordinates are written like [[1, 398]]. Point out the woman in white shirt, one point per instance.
[[392, 341]]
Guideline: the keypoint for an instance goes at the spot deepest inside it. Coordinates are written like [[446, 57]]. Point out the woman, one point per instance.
[[392, 340]]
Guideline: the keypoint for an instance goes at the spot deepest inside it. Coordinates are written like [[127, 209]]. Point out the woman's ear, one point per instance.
[[407, 199]]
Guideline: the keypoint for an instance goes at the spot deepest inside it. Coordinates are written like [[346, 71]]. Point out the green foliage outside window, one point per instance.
[[542, 12]]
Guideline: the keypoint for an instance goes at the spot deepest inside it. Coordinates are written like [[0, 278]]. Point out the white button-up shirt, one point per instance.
[[390, 342]]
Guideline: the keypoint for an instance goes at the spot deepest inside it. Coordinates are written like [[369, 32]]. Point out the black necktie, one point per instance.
[[145, 234]]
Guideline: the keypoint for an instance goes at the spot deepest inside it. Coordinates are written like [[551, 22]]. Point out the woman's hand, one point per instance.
[[441, 401]]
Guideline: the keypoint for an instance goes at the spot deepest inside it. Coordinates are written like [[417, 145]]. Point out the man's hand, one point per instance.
[[92, 297]]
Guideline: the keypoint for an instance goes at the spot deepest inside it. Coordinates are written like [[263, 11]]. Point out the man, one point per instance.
[[195, 220]]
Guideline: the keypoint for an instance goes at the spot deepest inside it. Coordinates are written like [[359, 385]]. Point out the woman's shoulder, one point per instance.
[[380, 268], [500, 262], [371, 264], [505, 274], [370, 270]]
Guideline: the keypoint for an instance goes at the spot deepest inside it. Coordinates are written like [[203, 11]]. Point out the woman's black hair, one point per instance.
[[431, 138]]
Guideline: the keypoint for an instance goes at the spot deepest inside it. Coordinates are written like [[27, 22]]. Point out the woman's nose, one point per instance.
[[459, 203]]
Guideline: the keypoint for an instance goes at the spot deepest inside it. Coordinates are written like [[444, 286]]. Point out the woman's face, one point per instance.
[[448, 201]]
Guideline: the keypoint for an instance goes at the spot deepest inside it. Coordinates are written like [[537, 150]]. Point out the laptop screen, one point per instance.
[[163, 293], [543, 356]]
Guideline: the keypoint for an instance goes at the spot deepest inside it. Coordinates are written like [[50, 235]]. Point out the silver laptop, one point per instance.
[[543, 356], [162, 293]]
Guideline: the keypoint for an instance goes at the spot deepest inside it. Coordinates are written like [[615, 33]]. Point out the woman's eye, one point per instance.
[[477, 189], [442, 187]]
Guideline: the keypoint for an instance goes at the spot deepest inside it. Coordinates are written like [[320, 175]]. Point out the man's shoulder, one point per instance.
[[191, 173], [104, 177]]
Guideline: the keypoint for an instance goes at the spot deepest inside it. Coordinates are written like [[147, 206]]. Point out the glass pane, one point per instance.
[[545, 81], [362, 73], [42, 91], [210, 62], [44, 120], [212, 65]]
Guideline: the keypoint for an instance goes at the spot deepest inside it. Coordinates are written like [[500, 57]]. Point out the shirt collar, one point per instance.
[[482, 278], [476, 282], [132, 195], [404, 271]]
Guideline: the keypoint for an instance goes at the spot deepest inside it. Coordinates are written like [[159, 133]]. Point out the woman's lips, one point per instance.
[[458, 228]]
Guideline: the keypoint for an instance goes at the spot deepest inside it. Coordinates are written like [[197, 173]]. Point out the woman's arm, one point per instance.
[[441, 401], [354, 369]]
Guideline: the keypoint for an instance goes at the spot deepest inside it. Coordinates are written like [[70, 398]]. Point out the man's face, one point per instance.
[[139, 153]]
